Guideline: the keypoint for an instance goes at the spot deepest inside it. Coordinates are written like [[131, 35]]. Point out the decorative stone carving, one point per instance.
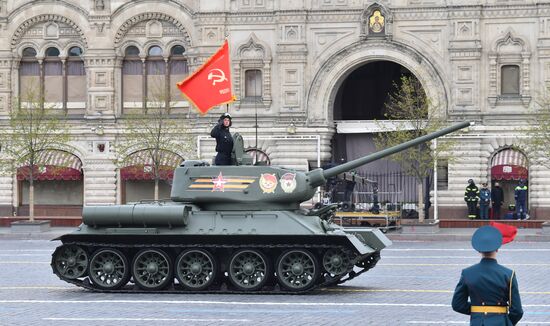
[[30, 29], [153, 28], [137, 27], [509, 50], [51, 31], [376, 22], [254, 54], [252, 4]]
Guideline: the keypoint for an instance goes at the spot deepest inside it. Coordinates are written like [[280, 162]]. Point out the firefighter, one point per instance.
[[471, 197]]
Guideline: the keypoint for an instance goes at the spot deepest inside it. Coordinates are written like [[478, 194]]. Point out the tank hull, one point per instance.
[[242, 251]]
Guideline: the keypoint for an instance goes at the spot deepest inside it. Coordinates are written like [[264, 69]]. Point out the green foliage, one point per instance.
[[411, 114], [538, 133], [32, 128], [156, 131]]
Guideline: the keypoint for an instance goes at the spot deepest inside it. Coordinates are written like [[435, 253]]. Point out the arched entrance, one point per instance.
[[349, 90], [138, 176], [58, 185], [508, 167]]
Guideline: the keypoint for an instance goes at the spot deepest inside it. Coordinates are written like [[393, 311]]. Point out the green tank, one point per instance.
[[226, 229]]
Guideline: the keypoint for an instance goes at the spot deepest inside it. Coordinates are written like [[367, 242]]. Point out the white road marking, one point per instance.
[[463, 264], [147, 319], [245, 303], [463, 249], [446, 322]]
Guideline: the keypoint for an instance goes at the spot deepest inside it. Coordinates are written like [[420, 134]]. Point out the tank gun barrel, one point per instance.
[[318, 177]]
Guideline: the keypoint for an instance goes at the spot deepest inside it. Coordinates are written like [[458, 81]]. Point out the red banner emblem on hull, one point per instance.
[[288, 182], [268, 183]]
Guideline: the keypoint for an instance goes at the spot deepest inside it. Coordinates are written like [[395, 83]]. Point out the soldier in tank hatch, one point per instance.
[[488, 291], [224, 141]]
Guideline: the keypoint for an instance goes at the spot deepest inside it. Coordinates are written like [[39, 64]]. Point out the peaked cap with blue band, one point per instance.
[[487, 239]]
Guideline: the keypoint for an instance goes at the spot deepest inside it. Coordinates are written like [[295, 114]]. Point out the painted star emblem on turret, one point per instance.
[[219, 183]]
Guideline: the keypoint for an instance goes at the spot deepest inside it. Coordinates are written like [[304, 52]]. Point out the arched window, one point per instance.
[[29, 76], [59, 83], [156, 71], [132, 79], [152, 81], [53, 78], [75, 79], [178, 71]]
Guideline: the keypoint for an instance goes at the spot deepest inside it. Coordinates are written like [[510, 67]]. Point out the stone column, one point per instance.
[[100, 68], [99, 182]]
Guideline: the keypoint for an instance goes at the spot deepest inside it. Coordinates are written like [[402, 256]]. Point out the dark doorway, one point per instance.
[[363, 94]]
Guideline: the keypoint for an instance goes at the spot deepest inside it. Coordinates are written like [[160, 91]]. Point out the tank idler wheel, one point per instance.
[[70, 262], [152, 269], [337, 262], [297, 270], [196, 269], [109, 269], [249, 270]]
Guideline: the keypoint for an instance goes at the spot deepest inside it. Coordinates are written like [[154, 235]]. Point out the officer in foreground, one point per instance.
[[224, 141], [492, 289]]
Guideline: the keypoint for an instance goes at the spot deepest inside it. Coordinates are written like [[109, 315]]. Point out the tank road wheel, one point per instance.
[[337, 262], [109, 269], [196, 269], [70, 262], [297, 270], [249, 270], [152, 269]]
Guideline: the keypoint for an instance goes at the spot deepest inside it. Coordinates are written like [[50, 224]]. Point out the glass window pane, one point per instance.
[[75, 68], [510, 80], [177, 50], [53, 68], [155, 51], [52, 52], [29, 52], [179, 67], [132, 50], [132, 68], [29, 69], [253, 83], [156, 67], [75, 51]]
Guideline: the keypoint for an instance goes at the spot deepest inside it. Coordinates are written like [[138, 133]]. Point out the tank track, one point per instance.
[[365, 263]]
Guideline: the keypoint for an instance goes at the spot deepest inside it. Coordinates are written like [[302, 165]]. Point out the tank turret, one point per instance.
[[228, 229], [266, 187]]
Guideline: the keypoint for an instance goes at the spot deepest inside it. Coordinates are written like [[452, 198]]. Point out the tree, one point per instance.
[[412, 115], [155, 131], [538, 133], [33, 129]]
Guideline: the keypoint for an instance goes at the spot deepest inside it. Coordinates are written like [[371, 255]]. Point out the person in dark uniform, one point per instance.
[[224, 141], [491, 288], [471, 197], [520, 195], [497, 197]]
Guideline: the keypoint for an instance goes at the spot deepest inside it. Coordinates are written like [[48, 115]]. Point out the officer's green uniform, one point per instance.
[[488, 287]]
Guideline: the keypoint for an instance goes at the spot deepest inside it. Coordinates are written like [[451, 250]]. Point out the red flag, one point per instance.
[[508, 231], [210, 85]]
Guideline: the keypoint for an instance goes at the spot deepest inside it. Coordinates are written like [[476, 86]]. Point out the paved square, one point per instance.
[[411, 285]]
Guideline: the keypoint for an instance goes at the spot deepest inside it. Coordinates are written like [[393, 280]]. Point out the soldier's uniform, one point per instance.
[[492, 289], [471, 197]]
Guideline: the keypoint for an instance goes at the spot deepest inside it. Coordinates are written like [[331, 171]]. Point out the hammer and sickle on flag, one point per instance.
[[210, 85], [217, 76]]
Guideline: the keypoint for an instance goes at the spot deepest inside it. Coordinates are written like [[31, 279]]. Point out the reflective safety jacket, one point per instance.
[[471, 193], [520, 193]]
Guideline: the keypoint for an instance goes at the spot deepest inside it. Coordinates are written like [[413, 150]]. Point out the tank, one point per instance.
[[226, 229]]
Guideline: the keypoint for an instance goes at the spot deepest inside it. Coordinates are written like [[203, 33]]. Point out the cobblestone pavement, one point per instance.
[[411, 285]]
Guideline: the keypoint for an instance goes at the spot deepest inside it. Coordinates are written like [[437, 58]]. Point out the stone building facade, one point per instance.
[[481, 60]]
